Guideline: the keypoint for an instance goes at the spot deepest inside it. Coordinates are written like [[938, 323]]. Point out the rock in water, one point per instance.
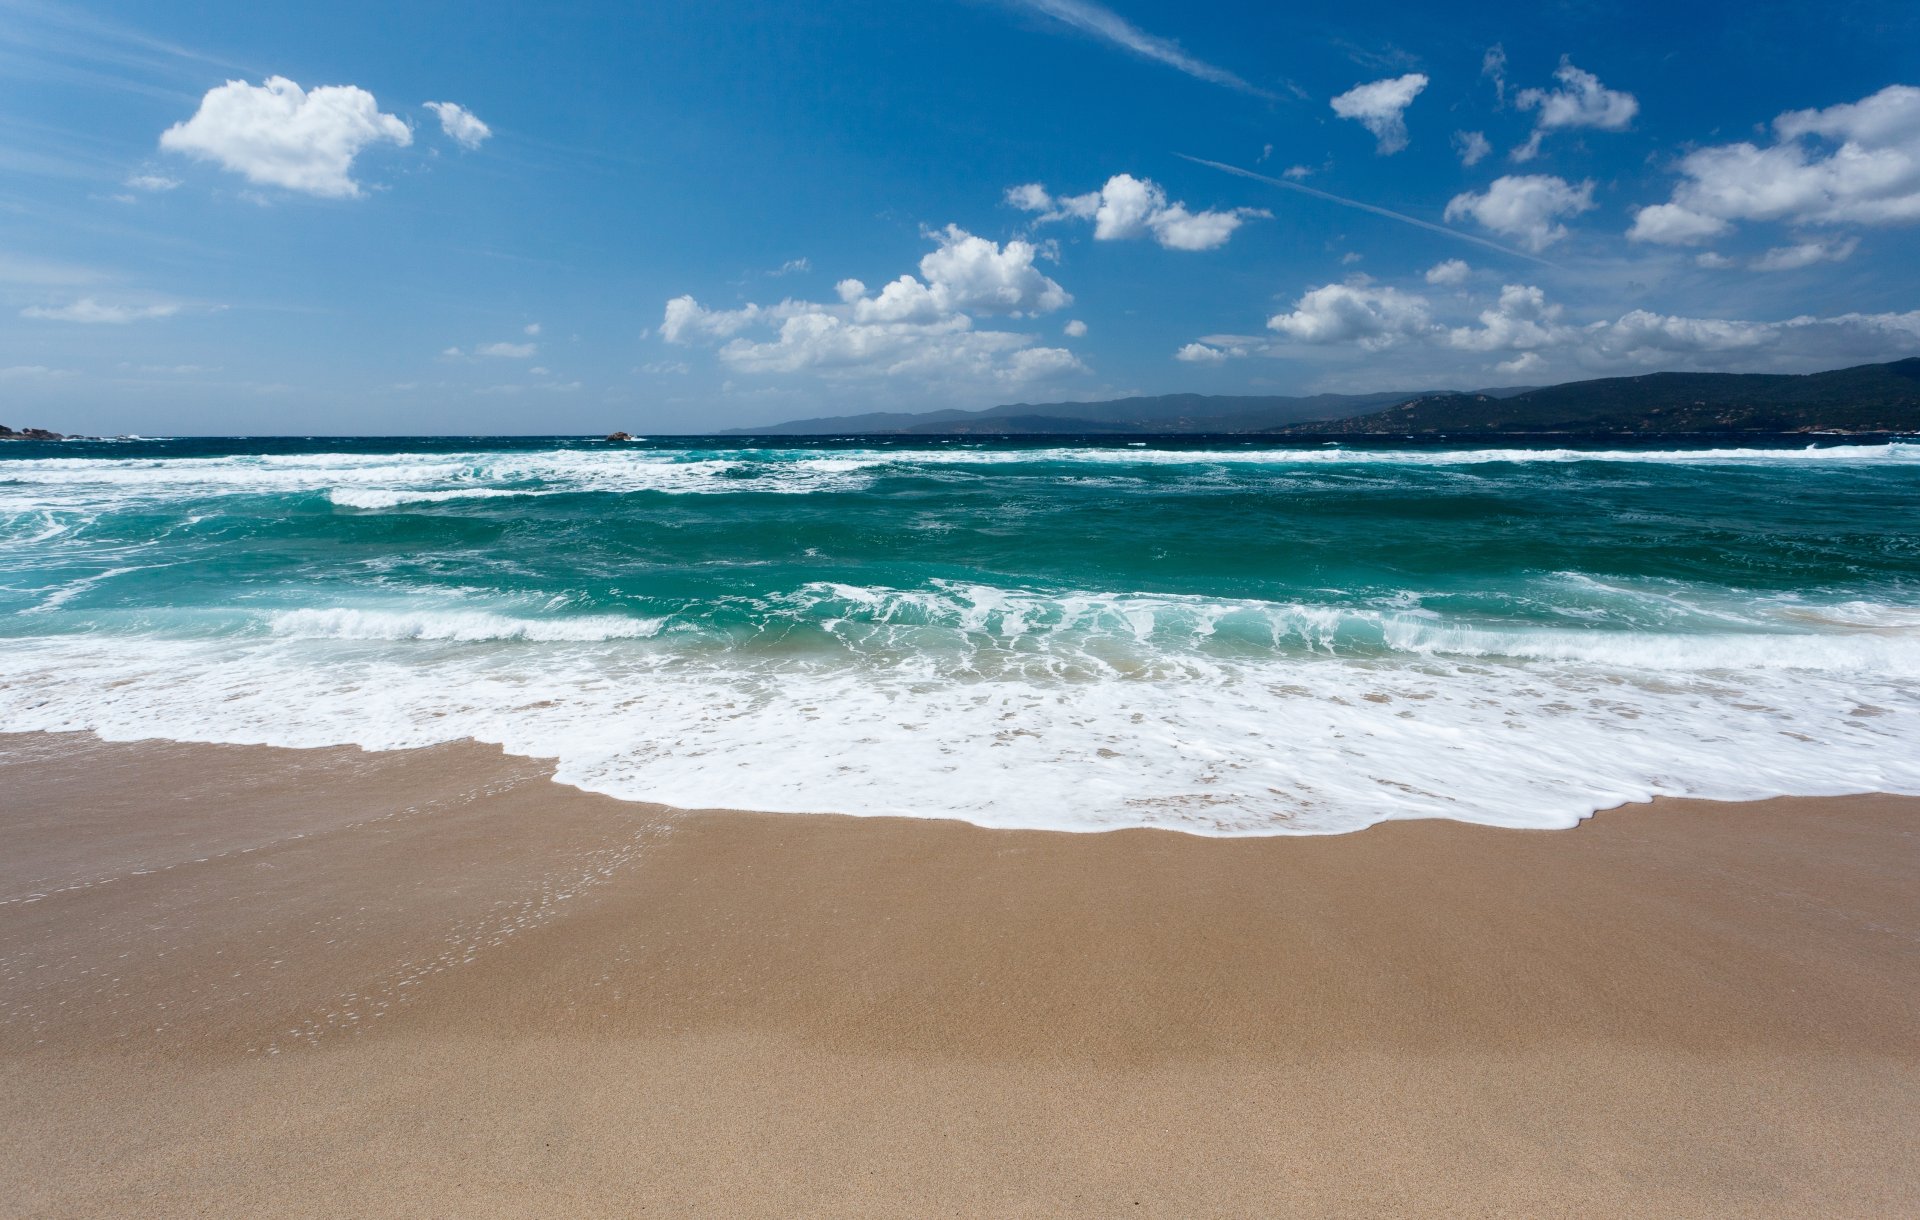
[[28, 434]]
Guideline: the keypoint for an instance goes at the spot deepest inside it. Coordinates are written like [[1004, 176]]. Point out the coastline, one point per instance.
[[313, 982]]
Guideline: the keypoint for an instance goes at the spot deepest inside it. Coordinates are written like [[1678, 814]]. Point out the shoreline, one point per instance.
[[306, 982], [548, 765]]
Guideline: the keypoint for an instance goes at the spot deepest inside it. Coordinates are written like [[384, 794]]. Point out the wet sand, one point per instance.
[[247, 981]]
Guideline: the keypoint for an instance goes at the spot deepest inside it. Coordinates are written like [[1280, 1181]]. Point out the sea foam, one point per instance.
[[1012, 709], [918, 646]]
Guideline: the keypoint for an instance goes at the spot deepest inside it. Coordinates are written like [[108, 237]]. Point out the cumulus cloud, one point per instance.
[[1580, 101], [687, 321], [461, 125], [1128, 207], [152, 183], [1525, 332], [1200, 353], [1449, 274], [1525, 207], [1670, 224], [88, 310], [1472, 146], [278, 134], [1381, 108], [1075, 329], [1857, 163], [971, 273], [914, 326], [1353, 313]]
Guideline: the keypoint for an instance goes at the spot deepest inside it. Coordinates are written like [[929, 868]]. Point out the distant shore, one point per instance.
[[255, 981]]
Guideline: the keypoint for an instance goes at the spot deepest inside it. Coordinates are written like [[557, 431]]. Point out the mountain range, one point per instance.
[[1866, 398]]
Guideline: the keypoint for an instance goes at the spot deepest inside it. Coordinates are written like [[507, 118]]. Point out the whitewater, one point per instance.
[[1219, 636]]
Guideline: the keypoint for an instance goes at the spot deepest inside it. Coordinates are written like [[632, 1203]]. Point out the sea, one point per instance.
[[1218, 635]]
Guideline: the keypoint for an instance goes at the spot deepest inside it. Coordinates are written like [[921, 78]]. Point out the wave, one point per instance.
[[1278, 744], [467, 627], [380, 498], [1851, 636], [380, 481]]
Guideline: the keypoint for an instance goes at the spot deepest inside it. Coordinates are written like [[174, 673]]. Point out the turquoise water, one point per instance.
[[1214, 635]]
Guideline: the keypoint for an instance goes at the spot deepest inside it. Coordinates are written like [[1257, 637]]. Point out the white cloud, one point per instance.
[[1353, 313], [943, 347], [531, 328], [1075, 329], [276, 134], [660, 368], [687, 321], [1857, 163], [1128, 207], [1493, 66], [86, 309], [1521, 320], [915, 326], [1580, 101], [461, 125], [1712, 261], [1381, 108], [1472, 146], [1297, 172], [1090, 18], [1029, 197], [507, 351], [1525, 207], [1200, 353], [971, 273], [152, 183], [1806, 254], [1449, 274], [1669, 224], [1521, 323], [793, 266]]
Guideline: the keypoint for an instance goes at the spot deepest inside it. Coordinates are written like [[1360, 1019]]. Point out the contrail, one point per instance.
[[1389, 213], [1104, 23]]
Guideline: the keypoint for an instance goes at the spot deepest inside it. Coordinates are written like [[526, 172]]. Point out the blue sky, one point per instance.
[[235, 218]]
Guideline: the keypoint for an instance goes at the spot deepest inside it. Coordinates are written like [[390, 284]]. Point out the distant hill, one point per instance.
[[1867, 398], [1166, 413]]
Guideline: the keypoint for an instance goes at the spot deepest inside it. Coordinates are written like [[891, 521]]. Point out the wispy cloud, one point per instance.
[[46, 40], [1105, 24], [90, 311], [1376, 210]]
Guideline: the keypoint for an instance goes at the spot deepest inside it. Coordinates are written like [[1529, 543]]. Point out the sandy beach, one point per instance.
[[250, 981]]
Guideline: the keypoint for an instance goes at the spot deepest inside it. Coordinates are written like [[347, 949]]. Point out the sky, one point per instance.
[[418, 218]]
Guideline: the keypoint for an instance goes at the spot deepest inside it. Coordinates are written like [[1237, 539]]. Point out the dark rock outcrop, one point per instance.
[[28, 434], [618, 436]]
